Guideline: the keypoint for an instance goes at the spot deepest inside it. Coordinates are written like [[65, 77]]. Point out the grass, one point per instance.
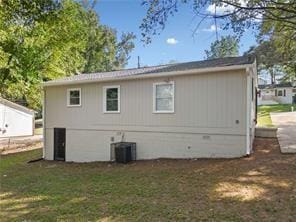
[[258, 188], [265, 110], [38, 131]]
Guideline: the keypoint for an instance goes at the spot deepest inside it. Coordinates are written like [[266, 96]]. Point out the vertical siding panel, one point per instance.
[[223, 100], [210, 101], [204, 101], [189, 100]]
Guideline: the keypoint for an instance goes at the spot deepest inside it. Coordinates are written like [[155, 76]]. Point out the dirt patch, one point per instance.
[[21, 148]]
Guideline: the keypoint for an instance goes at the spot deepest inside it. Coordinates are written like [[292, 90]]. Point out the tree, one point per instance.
[[22, 53], [235, 14], [48, 39], [272, 63], [275, 20], [104, 52], [124, 47], [225, 47]]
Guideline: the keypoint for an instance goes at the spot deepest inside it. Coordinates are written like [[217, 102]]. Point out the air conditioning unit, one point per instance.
[[123, 152]]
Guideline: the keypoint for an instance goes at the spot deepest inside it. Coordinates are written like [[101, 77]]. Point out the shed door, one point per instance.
[[59, 143]]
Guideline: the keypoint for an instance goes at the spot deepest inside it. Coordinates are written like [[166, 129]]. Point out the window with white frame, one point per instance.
[[163, 97], [111, 99], [74, 97], [280, 93]]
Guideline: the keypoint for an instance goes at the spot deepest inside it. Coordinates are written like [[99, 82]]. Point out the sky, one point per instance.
[[176, 42]]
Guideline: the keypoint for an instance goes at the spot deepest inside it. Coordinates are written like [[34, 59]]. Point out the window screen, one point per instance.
[[111, 99], [164, 97], [74, 97]]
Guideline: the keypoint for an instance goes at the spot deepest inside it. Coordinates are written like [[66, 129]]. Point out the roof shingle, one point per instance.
[[221, 62], [273, 86]]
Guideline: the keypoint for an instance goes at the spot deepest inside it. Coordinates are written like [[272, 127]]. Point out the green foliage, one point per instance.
[[267, 60], [274, 20], [281, 35], [273, 62], [238, 15], [225, 47], [47, 39]]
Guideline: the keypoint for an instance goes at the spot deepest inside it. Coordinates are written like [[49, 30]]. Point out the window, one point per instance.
[[111, 99], [294, 90], [284, 92], [280, 93], [163, 97], [74, 97]]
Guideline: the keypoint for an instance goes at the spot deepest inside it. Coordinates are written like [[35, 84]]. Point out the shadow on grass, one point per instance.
[[259, 188]]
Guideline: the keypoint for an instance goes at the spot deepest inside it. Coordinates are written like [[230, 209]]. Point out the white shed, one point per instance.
[[15, 120]]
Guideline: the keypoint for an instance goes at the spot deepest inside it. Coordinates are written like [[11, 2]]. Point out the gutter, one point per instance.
[[144, 76]]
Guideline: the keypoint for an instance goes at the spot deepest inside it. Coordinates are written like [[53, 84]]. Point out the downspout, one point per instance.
[[248, 151], [43, 122]]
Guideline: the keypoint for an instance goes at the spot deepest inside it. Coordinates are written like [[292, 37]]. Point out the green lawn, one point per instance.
[[263, 113], [38, 131], [258, 188]]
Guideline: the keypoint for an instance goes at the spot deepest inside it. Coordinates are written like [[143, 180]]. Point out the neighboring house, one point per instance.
[[262, 81], [15, 120], [187, 110], [283, 93]]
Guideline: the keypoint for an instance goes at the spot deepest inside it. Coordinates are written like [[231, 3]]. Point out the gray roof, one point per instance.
[[221, 62], [273, 86]]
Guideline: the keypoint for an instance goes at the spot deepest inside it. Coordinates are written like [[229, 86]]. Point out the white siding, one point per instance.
[[205, 105], [288, 99], [94, 145], [252, 107], [14, 122], [268, 96], [48, 144]]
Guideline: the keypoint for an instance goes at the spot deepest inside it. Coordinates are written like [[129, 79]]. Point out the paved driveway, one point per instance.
[[286, 123]]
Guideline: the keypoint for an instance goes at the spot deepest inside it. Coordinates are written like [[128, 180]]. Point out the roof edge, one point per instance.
[[159, 74], [17, 106]]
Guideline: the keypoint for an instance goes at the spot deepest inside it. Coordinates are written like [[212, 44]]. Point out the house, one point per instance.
[[15, 120], [262, 81], [186, 110], [283, 93]]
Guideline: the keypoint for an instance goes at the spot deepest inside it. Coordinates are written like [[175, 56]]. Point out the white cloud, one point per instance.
[[220, 10], [172, 41], [224, 8], [212, 29], [258, 18]]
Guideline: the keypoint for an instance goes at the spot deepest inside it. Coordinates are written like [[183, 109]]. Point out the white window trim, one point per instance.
[[105, 98], [154, 97], [282, 91], [68, 97]]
